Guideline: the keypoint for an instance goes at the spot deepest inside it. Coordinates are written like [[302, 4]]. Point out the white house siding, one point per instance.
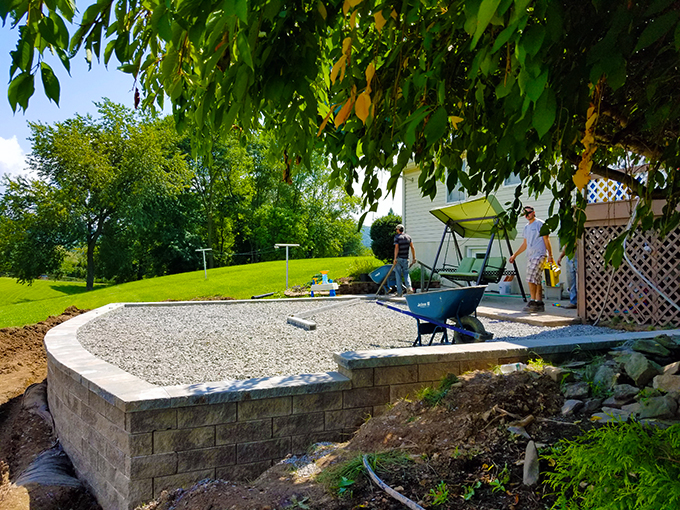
[[427, 231]]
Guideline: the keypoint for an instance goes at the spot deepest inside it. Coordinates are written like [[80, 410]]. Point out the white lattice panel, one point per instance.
[[629, 296]]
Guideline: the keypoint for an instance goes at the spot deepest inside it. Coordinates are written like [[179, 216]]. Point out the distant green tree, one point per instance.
[[382, 236], [34, 227], [90, 171]]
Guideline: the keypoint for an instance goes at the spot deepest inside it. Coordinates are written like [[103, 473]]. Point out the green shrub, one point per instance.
[[363, 266], [382, 236], [414, 273], [622, 466]]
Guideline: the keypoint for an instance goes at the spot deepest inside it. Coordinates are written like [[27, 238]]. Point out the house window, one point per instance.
[[513, 180], [457, 194], [476, 252]]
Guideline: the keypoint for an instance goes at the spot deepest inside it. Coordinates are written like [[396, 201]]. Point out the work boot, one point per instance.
[[530, 306]]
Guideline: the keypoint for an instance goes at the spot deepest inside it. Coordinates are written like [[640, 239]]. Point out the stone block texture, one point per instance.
[[128, 447]]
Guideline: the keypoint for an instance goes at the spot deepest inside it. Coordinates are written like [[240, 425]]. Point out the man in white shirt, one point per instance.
[[539, 250]]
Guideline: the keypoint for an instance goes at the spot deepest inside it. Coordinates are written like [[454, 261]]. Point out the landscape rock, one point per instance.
[[579, 390], [633, 409], [607, 375], [650, 346], [672, 368], [612, 402], [669, 342], [641, 370], [558, 374], [531, 468], [519, 431], [591, 405], [609, 414], [666, 382], [571, 406], [625, 392], [658, 407]]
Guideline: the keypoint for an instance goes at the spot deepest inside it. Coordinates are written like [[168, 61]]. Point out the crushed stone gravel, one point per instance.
[[187, 344]]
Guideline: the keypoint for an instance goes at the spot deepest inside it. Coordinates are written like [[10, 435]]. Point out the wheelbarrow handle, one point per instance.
[[473, 334], [385, 279]]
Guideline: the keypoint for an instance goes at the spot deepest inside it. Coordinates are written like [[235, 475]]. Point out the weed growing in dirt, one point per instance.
[[298, 503], [341, 477], [537, 364], [623, 466], [440, 495], [647, 393], [500, 480], [431, 396], [469, 490]]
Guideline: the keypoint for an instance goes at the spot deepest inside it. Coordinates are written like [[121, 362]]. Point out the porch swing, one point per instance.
[[478, 219]]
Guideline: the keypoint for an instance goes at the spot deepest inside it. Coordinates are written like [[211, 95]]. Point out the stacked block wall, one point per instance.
[[130, 440]]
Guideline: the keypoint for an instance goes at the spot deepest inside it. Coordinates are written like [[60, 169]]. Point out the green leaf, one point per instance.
[[613, 254], [241, 83], [62, 35], [487, 9], [544, 113], [50, 82], [20, 90], [536, 86], [503, 38], [164, 27], [656, 29], [238, 8], [244, 49], [505, 86], [436, 126], [532, 39], [47, 30]]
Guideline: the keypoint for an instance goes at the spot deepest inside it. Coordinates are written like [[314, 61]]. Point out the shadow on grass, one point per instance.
[[71, 289]]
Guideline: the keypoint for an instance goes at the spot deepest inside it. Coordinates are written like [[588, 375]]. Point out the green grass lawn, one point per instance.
[[24, 304]]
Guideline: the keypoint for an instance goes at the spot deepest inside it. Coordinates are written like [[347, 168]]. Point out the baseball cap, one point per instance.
[[400, 227], [528, 209]]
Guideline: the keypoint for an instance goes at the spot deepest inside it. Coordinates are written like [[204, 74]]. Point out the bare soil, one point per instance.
[[463, 442]]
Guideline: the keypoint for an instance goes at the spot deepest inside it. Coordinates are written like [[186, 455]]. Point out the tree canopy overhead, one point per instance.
[[550, 90]]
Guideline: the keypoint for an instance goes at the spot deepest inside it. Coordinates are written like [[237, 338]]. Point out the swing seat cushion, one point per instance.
[[469, 268]]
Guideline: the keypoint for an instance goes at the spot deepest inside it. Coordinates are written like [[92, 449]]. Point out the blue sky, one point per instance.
[[79, 91]]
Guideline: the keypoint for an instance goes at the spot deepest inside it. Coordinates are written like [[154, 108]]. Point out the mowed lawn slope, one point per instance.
[[24, 304]]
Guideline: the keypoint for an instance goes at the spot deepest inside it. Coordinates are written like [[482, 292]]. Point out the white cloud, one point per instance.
[[12, 157]]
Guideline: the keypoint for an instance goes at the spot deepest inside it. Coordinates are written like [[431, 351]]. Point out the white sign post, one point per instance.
[[205, 268], [279, 245]]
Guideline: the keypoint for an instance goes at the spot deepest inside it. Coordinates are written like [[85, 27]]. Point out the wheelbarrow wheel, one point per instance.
[[472, 324]]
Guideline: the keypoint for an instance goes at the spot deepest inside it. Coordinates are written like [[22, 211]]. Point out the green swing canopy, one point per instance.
[[473, 218]]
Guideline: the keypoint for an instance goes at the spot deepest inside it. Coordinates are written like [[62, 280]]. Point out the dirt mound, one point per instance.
[[22, 358], [24, 432], [460, 451]]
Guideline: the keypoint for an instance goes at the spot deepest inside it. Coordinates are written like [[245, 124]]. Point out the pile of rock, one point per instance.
[[638, 380]]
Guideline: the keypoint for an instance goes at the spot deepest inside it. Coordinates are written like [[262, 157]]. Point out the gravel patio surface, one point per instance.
[[187, 344]]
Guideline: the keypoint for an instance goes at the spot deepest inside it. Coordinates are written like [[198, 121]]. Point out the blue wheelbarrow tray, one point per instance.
[[448, 303], [378, 275]]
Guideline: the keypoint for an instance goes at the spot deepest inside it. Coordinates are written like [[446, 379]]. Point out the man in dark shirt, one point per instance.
[[402, 244]]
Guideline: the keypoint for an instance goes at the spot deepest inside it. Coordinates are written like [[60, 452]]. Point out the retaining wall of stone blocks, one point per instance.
[[129, 440]]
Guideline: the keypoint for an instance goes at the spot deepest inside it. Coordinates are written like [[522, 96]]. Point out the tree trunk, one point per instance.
[[90, 263]]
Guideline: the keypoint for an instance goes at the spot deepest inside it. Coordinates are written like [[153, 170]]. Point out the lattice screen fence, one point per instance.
[[630, 297]]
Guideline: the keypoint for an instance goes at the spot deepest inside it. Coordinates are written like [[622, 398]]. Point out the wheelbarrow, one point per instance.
[[384, 276], [432, 310]]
